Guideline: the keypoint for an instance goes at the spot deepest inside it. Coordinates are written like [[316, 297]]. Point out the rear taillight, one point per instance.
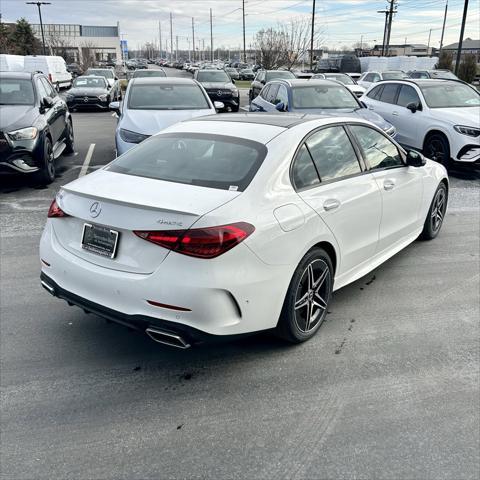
[[55, 211], [50, 77], [207, 242]]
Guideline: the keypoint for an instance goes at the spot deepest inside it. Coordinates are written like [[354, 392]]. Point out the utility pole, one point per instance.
[[160, 37], [443, 28], [211, 37], [390, 18], [428, 44], [244, 51], [405, 45], [39, 4], [176, 48], [171, 37], [193, 39], [311, 35], [386, 12], [460, 41]]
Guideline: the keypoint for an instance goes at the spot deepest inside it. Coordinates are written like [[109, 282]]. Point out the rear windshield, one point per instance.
[[166, 96], [214, 161], [279, 74], [103, 73], [149, 73], [16, 91], [340, 77], [213, 76], [394, 75], [450, 95], [323, 96]]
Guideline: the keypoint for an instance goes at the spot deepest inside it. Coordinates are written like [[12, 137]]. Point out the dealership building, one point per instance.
[[75, 42]]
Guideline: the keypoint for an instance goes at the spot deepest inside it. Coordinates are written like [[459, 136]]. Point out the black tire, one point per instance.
[[308, 297], [437, 148], [436, 214], [46, 174], [250, 96], [69, 139], [235, 109]]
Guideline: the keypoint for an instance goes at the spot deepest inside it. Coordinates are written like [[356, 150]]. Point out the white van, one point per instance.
[[11, 63], [53, 67]]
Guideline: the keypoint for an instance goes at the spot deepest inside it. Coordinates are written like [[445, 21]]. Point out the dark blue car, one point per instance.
[[326, 97]]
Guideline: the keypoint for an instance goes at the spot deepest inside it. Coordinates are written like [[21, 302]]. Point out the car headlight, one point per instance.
[[470, 131], [103, 97], [132, 137], [235, 91], [69, 96], [28, 133]]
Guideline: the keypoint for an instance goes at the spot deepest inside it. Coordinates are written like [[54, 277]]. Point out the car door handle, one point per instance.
[[370, 107], [395, 113], [331, 204], [389, 184]]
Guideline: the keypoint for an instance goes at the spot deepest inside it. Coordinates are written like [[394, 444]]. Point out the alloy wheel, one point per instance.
[[436, 150], [312, 296], [438, 210]]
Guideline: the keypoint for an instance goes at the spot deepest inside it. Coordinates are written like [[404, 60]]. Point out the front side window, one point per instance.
[[324, 96], [166, 96], [41, 89], [216, 76], [271, 93], [333, 154], [304, 173], [48, 87], [407, 95], [389, 93], [16, 91], [450, 95], [282, 96], [205, 160], [264, 92], [378, 151]]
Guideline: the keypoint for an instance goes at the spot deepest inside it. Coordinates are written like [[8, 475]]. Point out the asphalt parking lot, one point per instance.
[[387, 389]]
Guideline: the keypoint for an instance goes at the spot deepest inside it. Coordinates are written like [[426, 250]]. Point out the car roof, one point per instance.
[[169, 80], [421, 82], [303, 82], [10, 74], [283, 120]]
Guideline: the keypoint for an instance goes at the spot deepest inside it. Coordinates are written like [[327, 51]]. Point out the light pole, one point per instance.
[[39, 4]]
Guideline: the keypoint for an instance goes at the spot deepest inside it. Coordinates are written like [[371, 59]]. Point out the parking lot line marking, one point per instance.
[[86, 162]]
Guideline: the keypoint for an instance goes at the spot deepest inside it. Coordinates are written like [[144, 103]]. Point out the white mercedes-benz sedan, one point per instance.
[[231, 224]]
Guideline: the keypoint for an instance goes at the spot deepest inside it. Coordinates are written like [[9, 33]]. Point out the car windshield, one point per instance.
[[103, 73], [394, 75], [279, 74], [446, 75], [16, 91], [213, 161], [323, 96], [247, 70], [89, 82], [345, 79], [166, 96], [149, 73], [450, 95], [213, 76]]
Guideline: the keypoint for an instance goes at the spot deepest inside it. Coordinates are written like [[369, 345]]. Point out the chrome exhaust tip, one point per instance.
[[47, 287], [170, 339]]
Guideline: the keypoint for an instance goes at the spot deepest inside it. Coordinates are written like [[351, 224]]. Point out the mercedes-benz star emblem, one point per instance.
[[95, 209], [219, 93], [85, 99]]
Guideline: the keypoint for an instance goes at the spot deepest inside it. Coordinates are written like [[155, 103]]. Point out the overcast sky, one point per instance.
[[342, 22]]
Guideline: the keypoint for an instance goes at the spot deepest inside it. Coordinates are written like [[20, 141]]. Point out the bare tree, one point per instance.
[[88, 55], [271, 44], [60, 46]]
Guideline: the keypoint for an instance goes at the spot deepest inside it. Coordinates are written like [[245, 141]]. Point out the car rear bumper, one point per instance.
[[233, 294]]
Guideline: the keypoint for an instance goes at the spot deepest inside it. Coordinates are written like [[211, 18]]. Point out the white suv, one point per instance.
[[440, 117], [368, 78]]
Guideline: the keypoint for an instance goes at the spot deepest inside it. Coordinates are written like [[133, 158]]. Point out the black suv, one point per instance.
[[220, 87], [265, 76], [35, 125]]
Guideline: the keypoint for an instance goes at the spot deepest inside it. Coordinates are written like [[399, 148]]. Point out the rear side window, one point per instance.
[[375, 92], [378, 150], [333, 154], [389, 93], [407, 95], [304, 174], [214, 161]]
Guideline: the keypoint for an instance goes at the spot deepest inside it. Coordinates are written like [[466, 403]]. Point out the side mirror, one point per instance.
[[415, 159], [47, 102], [413, 107], [218, 106], [114, 106], [280, 107], [233, 80]]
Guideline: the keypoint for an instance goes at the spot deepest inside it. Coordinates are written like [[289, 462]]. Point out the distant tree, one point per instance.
[[23, 40], [5, 39], [272, 46], [61, 47], [445, 61], [468, 68], [88, 55]]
